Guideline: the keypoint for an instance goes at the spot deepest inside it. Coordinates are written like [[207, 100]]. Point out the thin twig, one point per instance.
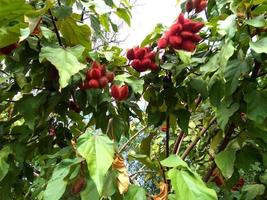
[[140, 172], [193, 144], [131, 139], [55, 27], [178, 142], [167, 141]]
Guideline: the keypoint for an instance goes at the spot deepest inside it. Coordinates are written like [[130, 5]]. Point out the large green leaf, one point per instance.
[[189, 186], [4, 166], [57, 183], [65, 60], [233, 72], [259, 46], [225, 161], [75, 34], [256, 105], [98, 150], [228, 26], [135, 192], [173, 161], [258, 21], [250, 192], [124, 14]]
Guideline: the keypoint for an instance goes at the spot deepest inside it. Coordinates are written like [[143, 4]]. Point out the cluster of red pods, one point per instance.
[[197, 5], [142, 58], [182, 35], [97, 77]]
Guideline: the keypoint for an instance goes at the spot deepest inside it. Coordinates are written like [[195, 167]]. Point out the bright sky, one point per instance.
[[145, 16]]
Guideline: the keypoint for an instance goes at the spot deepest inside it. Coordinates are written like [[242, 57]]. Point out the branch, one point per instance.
[[141, 171], [131, 139], [167, 141], [178, 143], [55, 27], [193, 144], [220, 148]]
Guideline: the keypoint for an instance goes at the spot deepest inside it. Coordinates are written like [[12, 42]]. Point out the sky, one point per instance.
[[145, 15]]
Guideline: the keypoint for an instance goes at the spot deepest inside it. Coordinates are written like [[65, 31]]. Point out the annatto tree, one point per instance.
[[181, 116]]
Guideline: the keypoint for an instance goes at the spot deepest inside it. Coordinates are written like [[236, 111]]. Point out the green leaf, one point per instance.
[[259, 46], [57, 183], [145, 146], [98, 151], [200, 86], [232, 73], [4, 166], [123, 14], [228, 26], [224, 112], [173, 161], [30, 106], [104, 21], [75, 34], [64, 60], [95, 24], [185, 57], [135, 192], [90, 191], [183, 119], [258, 21], [255, 112], [135, 83], [225, 161], [189, 186], [250, 192]]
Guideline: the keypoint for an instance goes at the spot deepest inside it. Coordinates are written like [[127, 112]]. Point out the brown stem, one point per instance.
[[167, 141], [178, 143], [193, 144], [55, 27], [220, 148]]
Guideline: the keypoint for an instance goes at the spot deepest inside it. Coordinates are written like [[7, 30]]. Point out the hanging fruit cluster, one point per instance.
[[182, 35], [119, 93], [197, 5], [97, 77], [142, 58]]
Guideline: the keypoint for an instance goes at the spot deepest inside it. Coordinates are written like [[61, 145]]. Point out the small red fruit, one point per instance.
[[151, 55], [130, 54], [115, 91], [196, 38], [93, 83], [175, 28], [188, 26], [146, 62], [186, 34], [201, 6], [153, 66], [110, 76], [140, 53], [181, 18], [124, 92], [197, 26], [103, 81], [137, 65], [94, 73], [102, 69], [189, 6], [95, 64], [188, 45], [175, 41], [162, 43]]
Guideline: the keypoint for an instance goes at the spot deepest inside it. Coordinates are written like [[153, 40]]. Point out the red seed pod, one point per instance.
[[8, 49], [175, 41], [196, 28], [78, 185], [110, 76], [137, 65], [196, 38], [175, 29], [140, 53], [201, 6], [181, 18], [189, 6], [162, 43], [153, 66], [188, 45], [196, 3], [188, 26], [151, 55], [95, 64], [146, 62], [103, 81], [94, 73], [93, 83], [124, 92], [130, 54], [186, 34], [102, 69], [115, 92]]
